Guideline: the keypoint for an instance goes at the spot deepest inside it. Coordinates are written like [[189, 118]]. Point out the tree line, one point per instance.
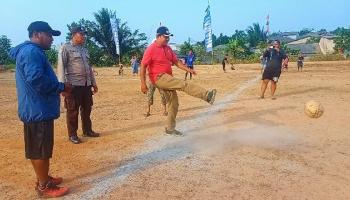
[[99, 40], [242, 45], [247, 45]]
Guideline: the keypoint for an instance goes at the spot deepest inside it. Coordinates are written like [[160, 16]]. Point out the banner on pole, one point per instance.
[[114, 25], [208, 30], [268, 24]]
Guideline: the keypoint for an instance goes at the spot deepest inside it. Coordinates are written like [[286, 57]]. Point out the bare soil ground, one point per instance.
[[239, 148]]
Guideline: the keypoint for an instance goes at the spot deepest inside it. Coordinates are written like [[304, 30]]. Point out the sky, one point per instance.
[[184, 18]]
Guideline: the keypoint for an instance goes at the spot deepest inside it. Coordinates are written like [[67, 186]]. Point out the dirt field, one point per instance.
[[239, 148]]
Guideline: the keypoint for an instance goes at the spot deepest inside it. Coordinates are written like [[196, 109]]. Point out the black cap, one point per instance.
[[163, 31], [77, 29], [275, 42], [40, 26]]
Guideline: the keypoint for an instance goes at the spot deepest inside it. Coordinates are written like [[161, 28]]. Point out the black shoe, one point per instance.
[[75, 139], [211, 96], [91, 134]]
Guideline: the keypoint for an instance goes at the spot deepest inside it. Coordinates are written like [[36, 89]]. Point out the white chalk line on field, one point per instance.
[[167, 148]]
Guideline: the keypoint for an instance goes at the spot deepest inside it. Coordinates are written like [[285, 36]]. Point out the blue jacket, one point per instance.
[[190, 60], [37, 86]]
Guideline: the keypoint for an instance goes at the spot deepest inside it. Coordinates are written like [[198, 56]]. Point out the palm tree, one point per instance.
[[100, 40], [256, 34], [102, 31], [130, 42]]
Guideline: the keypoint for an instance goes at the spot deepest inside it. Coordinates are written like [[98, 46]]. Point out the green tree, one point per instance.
[[131, 42], [202, 57], [342, 41], [52, 55], [262, 46], [97, 53], [5, 46], [100, 41], [185, 48], [305, 31], [240, 35], [222, 39], [323, 31], [256, 34], [237, 49], [337, 31], [102, 31]]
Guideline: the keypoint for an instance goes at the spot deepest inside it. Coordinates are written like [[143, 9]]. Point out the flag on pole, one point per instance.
[[114, 25], [268, 24], [208, 30]]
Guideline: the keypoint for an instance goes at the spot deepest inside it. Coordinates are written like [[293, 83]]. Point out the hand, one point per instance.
[[144, 88], [68, 87], [66, 94], [95, 89]]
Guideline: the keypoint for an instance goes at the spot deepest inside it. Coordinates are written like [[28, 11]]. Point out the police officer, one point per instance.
[[74, 68]]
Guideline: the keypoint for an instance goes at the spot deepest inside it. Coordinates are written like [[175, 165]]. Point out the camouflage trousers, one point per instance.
[[150, 94]]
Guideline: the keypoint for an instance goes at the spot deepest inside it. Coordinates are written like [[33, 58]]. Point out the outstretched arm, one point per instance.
[[179, 64], [144, 88]]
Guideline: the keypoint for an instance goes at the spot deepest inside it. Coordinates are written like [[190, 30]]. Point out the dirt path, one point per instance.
[[240, 148]]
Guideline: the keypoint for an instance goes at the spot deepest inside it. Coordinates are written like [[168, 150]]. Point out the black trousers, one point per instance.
[[79, 100]]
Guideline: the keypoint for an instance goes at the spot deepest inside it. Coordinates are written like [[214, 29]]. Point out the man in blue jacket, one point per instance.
[[38, 93]]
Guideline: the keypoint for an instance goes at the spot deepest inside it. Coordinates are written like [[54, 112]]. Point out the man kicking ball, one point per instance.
[[275, 58], [158, 59]]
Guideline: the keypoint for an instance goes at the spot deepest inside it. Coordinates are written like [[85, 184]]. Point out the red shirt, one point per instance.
[[158, 60]]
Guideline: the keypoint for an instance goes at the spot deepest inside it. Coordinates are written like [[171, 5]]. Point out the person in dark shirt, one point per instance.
[[275, 59], [300, 62], [224, 61]]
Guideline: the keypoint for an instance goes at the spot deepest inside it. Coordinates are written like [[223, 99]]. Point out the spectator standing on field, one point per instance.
[[38, 92]]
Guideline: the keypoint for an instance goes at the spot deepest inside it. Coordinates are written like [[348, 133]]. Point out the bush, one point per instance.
[[253, 58], [293, 58], [329, 57], [313, 40], [10, 66]]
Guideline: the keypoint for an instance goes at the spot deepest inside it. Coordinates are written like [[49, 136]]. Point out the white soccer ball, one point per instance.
[[313, 109]]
